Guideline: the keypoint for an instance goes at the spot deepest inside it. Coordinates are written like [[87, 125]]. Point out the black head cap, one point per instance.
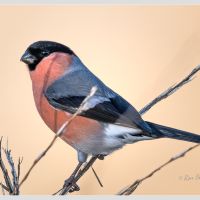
[[38, 50]]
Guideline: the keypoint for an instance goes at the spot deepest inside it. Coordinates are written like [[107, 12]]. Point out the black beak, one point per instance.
[[28, 58]]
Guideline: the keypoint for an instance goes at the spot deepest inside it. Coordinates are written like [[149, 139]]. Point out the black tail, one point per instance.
[[160, 131]]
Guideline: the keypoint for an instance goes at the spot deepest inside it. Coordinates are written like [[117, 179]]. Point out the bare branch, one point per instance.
[[12, 187], [19, 167], [170, 90], [8, 182], [82, 107], [4, 187], [13, 171], [130, 189], [97, 177]]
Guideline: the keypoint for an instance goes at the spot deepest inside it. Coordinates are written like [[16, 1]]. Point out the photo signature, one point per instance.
[[188, 177]]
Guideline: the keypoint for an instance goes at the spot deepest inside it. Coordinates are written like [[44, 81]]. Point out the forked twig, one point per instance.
[[15, 181], [9, 186], [12, 187]]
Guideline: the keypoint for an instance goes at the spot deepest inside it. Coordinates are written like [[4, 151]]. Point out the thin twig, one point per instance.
[[13, 171], [12, 187], [170, 90], [19, 167], [2, 189], [97, 177], [82, 107], [130, 189], [5, 172], [55, 193]]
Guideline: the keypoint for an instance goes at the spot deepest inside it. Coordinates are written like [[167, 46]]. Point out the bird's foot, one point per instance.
[[74, 188], [69, 183]]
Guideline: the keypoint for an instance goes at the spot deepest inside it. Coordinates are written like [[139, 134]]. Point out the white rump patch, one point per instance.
[[116, 130], [116, 134]]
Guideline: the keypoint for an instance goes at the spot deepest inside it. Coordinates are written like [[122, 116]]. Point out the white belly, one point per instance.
[[113, 137]]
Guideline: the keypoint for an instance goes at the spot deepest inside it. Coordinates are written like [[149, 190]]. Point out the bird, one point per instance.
[[60, 83]]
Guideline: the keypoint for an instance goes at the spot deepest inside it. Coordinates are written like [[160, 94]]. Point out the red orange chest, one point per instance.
[[47, 71]]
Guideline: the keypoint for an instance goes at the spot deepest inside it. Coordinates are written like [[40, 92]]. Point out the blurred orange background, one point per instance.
[[138, 51]]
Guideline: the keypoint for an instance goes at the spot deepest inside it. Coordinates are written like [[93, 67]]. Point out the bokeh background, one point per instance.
[[138, 51]]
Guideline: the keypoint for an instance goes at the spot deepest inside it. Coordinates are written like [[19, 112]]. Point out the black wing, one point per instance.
[[115, 110], [104, 112]]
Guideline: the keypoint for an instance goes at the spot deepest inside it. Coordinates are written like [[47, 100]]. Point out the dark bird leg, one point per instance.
[[69, 183], [70, 180], [80, 173]]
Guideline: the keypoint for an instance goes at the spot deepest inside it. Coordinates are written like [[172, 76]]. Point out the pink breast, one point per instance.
[[47, 71]]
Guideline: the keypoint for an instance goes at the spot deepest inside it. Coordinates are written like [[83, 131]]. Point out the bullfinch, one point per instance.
[[60, 82]]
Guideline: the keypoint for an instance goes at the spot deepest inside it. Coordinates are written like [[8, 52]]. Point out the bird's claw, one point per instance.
[[73, 186], [68, 182]]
